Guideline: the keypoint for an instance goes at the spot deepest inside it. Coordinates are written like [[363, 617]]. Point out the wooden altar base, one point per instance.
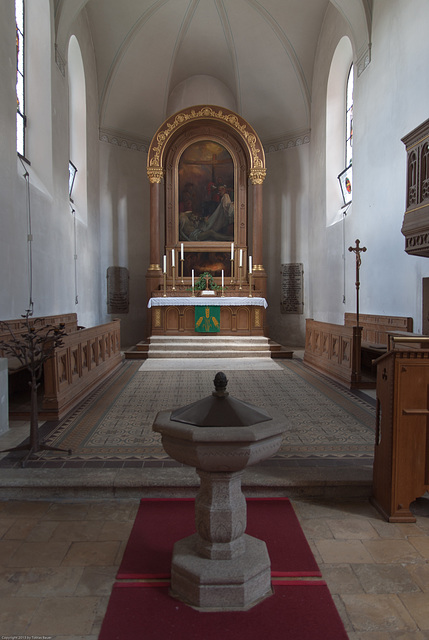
[[207, 347]]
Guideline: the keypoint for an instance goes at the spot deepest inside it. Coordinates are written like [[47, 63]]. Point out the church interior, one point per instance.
[[196, 186]]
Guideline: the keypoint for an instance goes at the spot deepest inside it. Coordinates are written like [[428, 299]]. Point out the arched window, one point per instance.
[[20, 76], [339, 131], [349, 118], [77, 127]]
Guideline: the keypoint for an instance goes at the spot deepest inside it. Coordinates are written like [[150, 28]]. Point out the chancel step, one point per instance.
[[208, 347]]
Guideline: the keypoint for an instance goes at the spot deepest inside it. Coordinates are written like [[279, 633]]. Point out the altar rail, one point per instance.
[[84, 360], [18, 327], [331, 348]]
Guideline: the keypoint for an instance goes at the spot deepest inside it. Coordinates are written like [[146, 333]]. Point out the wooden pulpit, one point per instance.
[[401, 456]]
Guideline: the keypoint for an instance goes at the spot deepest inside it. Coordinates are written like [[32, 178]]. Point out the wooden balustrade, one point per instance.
[[86, 358]]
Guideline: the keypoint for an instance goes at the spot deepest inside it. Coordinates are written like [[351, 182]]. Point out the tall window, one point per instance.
[[77, 127], [349, 118], [20, 78], [339, 132]]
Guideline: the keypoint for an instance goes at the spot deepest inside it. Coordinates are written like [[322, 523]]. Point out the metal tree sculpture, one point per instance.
[[33, 348]]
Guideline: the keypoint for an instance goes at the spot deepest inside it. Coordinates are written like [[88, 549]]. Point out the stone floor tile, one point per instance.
[[307, 509], [67, 511], [60, 616], [15, 614], [352, 528], [5, 525], [38, 554], [42, 531], [22, 509], [96, 581], [378, 613], [392, 551], [73, 531], [49, 581], [115, 530], [420, 574], [418, 606], [8, 586], [316, 528], [385, 578], [114, 510], [341, 579], [422, 545], [20, 529], [100, 613], [84, 554], [409, 529], [388, 529], [7, 549], [343, 551]]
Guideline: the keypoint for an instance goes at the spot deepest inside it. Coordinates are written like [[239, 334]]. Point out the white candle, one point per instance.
[[241, 258], [222, 279], [165, 265], [250, 264], [192, 278], [173, 254], [232, 251], [181, 251]]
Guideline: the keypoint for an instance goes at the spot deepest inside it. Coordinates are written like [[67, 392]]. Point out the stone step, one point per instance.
[[207, 353]]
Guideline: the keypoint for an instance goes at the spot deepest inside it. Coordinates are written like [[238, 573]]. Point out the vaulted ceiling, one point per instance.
[[257, 57]]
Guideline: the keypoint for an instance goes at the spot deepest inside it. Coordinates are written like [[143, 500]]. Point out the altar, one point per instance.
[[239, 315], [206, 167]]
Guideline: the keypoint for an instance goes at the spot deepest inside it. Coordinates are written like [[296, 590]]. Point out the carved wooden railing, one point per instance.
[[86, 358], [19, 326], [329, 348]]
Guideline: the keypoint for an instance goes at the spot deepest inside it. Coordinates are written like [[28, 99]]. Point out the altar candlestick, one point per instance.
[[241, 258], [165, 265], [181, 251], [173, 258], [250, 264], [232, 251], [193, 279]]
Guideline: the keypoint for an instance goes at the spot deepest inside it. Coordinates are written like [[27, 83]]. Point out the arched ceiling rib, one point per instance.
[[261, 51]]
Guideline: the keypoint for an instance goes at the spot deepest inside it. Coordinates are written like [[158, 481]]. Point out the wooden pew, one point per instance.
[[331, 348], [86, 358], [18, 327]]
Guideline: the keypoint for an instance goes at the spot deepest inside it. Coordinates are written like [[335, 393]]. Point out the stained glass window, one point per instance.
[[20, 88], [349, 118]]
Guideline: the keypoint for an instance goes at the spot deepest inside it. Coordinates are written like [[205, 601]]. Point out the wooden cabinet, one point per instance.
[[401, 456]]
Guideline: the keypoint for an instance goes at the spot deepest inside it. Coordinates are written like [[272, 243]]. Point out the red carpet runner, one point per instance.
[[160, 523], [303, 611], [300, 609]]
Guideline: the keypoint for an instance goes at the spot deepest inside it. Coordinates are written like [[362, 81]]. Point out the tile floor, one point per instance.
[[58, 562]]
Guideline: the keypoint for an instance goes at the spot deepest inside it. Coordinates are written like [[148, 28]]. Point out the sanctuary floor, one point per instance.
[[63, 531]]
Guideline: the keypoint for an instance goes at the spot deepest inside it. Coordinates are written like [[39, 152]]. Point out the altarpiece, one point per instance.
[[206, 167]]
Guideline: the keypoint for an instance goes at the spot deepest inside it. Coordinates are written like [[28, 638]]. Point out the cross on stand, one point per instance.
[[357, 250]]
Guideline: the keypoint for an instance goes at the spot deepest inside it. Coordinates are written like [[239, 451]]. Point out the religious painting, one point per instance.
[[212, 261], [206, 193]]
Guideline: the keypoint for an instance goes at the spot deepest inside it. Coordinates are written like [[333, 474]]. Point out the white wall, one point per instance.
[[390, 99], [52, 222], [124, 204], [285, 215]]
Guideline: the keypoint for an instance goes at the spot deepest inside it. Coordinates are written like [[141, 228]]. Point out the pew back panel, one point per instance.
[[86, 358], [329, 348]]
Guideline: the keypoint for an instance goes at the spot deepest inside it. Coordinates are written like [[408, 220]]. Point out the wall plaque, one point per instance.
[[291, 300], [117, 290]]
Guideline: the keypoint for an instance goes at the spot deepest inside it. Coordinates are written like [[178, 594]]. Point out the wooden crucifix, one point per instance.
[[357, 250]]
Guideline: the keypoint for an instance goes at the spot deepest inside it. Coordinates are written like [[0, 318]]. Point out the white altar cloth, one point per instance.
[[207, 301]]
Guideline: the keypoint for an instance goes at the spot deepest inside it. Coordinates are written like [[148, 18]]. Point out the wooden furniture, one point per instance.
[[238, 315], [195, 156], [415, 226], [86, 358], [401, 456], [18, 326], [330, 348]]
